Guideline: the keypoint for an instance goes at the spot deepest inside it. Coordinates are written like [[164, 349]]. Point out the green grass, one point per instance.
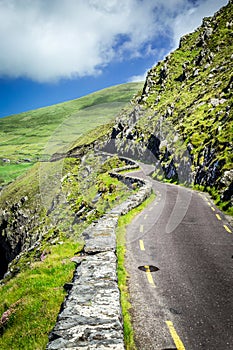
[[92, 136], [9, 172], [39, 133], [122, 273], [35, 296], [26, 185], [224, 206], [82, 191]]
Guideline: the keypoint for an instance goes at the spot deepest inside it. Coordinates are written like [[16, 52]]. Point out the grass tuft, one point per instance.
[[32, 299]]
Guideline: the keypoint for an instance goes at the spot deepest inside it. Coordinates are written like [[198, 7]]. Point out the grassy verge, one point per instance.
[[122, 273], [31, 301], [224, 206]]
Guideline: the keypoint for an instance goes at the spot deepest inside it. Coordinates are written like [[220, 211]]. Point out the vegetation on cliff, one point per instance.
[[183, 121]]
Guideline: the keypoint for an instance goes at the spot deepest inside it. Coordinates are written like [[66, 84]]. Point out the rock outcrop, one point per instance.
[[26, 222], [182, 122], [17, 222]]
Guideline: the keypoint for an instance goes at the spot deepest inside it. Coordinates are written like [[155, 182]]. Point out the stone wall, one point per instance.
[[91, 315]]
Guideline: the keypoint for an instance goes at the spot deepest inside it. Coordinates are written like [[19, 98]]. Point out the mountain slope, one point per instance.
[[24, 136], [182, 122]]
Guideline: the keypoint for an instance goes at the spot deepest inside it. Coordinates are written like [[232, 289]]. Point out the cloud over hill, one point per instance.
[[49, 40]]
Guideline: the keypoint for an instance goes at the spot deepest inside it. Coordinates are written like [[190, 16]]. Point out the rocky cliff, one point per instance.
[[55, 200], [182, 120]]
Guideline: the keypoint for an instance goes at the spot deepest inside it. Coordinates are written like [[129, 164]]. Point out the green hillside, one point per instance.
[[44, 211], [196, 92], [183, 121], [24, 136]]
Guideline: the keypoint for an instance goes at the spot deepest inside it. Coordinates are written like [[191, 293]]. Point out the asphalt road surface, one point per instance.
[[180, 262]]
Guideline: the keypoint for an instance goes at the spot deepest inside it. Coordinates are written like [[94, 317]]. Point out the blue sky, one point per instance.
[[56, 50]]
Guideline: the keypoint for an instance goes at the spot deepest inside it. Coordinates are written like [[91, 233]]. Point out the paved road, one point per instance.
[[180, 261]]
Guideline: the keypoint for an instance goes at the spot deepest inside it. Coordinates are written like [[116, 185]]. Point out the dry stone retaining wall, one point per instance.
[[91, 316]]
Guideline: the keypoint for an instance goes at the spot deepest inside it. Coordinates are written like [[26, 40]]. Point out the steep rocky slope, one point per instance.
[[54, 200], [182, 121]]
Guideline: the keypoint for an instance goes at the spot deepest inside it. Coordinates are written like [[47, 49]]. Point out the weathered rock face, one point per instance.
[[25, 221], [182, 121], [16, 224], [154, 145], [226, 186]]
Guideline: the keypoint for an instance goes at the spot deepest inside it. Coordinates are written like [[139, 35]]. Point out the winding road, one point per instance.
[[180, 264]]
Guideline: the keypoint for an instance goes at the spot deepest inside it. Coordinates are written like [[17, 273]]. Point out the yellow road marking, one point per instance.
[[218, 217], [145, 217], [149, 276], [151, 208], [141, 244], [175, 337], [206, 199], [213, 208], [141, 228], [209, 204], [227, 228]]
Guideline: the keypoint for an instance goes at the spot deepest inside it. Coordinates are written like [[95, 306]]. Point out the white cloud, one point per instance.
[[189, 19], [137, 78], [48, 40]]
